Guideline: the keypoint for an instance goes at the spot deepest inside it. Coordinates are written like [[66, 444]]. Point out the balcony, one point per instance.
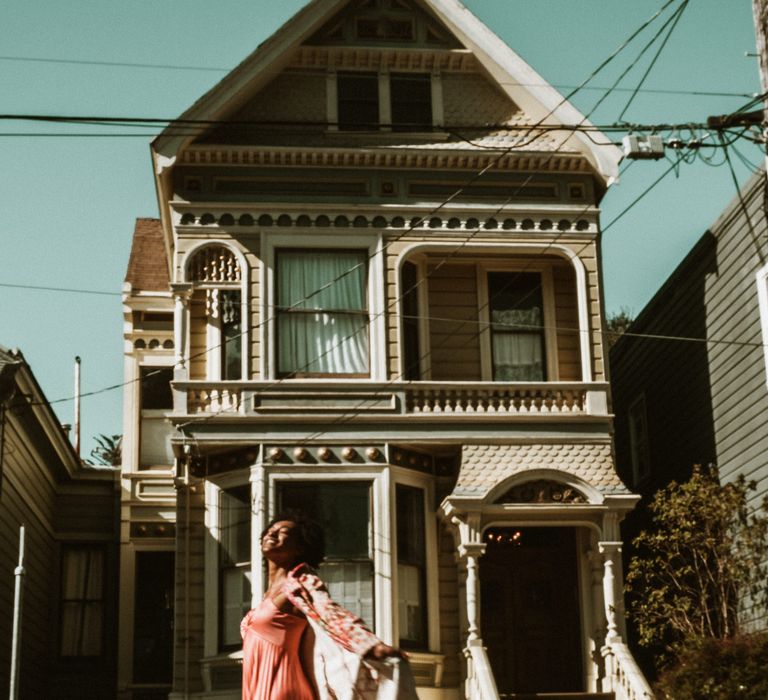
[[397, 399]]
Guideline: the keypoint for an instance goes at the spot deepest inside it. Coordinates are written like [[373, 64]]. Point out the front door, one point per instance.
[[529, 609]]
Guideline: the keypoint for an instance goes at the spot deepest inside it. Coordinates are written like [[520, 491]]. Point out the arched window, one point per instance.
[[217, 312]]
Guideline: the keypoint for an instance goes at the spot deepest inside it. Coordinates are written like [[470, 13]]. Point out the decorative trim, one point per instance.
[[240, 218], [375, 58], [414, 158]]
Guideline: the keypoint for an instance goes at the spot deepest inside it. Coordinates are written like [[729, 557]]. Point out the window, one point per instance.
[[638, 440], [156, 387], [515, 305], [82, 601], [762, 298], [410, 325], [216, 313], [153, 618], [234, 562], [411, 567], [411, 100], [358, 95], [344, 511], [322, 314]]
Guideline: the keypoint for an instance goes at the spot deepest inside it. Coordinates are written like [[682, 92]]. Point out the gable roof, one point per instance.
[[148, 263], [519, 81]]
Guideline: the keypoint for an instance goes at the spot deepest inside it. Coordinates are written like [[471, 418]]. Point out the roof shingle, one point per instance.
[[148, 265]]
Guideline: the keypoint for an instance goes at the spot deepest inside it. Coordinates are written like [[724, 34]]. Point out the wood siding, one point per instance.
[[706, 401], [567, 323], [454, 338]]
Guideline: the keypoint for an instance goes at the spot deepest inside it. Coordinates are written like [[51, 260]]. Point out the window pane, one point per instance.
[[358, 95], [350, 584], [342, 508], [517, 320], [231, 331], [411, 566], [322, 320], [156, 387], [411, 95], [234, 562], [82, 591], [410, 306]]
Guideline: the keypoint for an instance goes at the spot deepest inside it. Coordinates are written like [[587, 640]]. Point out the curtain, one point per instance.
[[322, 318], [518, 355], [82, 588]]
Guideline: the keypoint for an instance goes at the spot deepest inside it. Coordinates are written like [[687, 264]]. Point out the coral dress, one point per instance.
[[272, 667]]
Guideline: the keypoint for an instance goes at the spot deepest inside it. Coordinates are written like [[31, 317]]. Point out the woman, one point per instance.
[[278, 640]]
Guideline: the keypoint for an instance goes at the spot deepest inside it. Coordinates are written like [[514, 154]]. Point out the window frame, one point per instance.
[[761, 279], [214, 365], [214, 486], [102, 600], [373, 245], [548, 314], [385, 123], [363, 313]]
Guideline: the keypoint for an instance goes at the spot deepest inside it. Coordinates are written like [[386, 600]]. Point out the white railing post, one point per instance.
[[610, 550]]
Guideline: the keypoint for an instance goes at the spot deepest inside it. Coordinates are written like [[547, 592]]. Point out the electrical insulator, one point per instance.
[[639, 147]]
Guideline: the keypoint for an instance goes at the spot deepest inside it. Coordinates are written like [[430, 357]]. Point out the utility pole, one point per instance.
[[760, 13], [18, 600]]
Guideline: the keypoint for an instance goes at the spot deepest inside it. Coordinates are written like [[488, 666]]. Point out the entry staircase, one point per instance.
[[623, 679]]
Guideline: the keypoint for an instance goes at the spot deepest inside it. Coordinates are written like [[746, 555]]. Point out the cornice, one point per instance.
[[378, 58], [207, 218], [412, 158]]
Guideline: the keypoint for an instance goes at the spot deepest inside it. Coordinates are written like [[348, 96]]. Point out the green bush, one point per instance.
[[718, 669]]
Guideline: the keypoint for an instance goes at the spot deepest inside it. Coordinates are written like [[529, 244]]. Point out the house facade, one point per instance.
[[696, 390], [373, 294], [66, 644]]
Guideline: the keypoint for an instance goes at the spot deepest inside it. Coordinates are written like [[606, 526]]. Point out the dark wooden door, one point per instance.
[[529, 610]]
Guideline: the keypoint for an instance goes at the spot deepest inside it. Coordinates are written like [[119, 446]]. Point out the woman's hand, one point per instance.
[[383, 651]]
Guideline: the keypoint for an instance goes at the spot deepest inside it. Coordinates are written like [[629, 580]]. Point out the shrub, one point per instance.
[[718, 669]]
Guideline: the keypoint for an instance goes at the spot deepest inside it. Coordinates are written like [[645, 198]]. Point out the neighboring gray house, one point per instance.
[[703, 396], [68, 634]]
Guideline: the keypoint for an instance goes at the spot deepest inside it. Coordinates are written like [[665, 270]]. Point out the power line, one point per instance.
[[218, 69], [72, 290], [472, 179]]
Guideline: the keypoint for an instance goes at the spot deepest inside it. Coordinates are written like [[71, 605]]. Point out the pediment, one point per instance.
[[401, 23], [444, 38]]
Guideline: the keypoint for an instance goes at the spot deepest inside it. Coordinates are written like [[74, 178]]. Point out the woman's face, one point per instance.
[[281, 542]]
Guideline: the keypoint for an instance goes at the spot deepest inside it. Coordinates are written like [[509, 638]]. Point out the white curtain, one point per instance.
[[322, 322], [517, 354], [82, 588]]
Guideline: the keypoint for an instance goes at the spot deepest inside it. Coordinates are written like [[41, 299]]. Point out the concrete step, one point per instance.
[[557, 696]]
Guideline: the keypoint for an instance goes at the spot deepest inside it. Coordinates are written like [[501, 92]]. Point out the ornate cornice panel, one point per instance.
[[373, 58]]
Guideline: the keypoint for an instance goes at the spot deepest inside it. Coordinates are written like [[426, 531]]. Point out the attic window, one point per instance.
[[358, 101], [411, 95]]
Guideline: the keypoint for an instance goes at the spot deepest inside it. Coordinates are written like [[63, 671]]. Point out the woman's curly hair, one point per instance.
[[310, 533]]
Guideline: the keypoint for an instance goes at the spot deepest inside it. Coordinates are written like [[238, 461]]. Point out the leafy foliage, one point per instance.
[[704, 556], [616, 324], [108, 451], [719, 669]]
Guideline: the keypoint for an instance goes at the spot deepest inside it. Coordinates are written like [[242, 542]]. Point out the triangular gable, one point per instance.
[[521, 83]]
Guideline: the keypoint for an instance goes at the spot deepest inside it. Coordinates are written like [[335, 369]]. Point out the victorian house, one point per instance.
[[373, 293]]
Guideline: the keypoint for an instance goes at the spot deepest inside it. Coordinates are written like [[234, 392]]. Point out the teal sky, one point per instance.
[[67, 204]]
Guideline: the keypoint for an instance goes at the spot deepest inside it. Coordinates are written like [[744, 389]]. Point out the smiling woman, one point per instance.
[[294, 641]]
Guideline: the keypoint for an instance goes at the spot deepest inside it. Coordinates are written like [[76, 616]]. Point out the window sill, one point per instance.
[[427, 668], [210, 665]]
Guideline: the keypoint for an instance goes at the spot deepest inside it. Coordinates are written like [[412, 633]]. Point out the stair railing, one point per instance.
[[480, 684], [622, 674]]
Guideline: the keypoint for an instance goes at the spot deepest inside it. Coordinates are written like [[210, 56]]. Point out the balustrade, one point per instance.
[[428, 399]]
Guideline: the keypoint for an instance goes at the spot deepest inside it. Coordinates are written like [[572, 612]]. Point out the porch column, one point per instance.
[[181, 295], [470, 553], [611, 552]]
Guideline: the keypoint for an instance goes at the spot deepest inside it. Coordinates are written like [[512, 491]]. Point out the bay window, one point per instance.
[[234, 562], [343, 508], [411, 567], [322, 313]]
